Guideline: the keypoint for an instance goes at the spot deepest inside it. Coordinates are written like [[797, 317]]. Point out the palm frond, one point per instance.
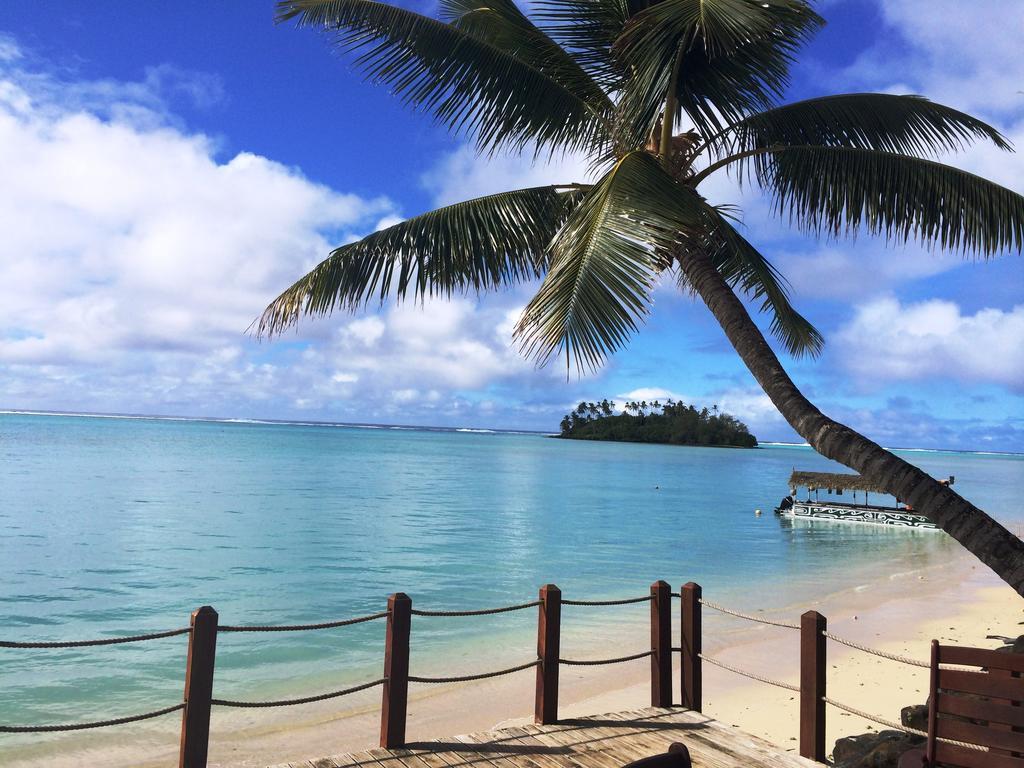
[[470, 85], [478, 244], [909, 125], [501, 23], [588, 29], [735, 58], [749, 271], [839, 189], [604, 265]]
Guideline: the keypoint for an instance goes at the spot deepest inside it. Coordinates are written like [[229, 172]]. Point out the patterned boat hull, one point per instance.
[[848, 513]]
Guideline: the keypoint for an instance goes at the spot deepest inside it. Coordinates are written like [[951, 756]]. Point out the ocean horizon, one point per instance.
[[423, 427]]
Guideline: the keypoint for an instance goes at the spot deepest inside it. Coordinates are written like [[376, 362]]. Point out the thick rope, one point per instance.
[[83, 726], [751, 675], [480, 676], [897, 726], [303, 627], [597, 662], [748, 617], [291, 702], [481, 612], [103, 641], [874, 652], [627, 601]]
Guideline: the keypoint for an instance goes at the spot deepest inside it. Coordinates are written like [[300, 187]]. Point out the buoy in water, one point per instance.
[[757, 512]]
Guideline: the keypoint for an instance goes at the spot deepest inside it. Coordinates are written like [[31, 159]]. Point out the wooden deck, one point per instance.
[[601, 741]]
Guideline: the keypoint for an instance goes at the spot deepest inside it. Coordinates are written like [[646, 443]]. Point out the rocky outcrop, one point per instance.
[[915, 716], [1014, 646], [873, 750]]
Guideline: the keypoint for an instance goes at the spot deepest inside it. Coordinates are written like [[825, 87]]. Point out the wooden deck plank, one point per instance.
[[600, 755], [628, 737], [600, 741], [619, 744], [503, 760]]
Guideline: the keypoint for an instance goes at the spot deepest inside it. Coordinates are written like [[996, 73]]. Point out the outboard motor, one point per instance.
[[784, 505]]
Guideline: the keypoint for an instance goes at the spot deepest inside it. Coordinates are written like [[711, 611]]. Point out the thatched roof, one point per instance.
[[834, 480]]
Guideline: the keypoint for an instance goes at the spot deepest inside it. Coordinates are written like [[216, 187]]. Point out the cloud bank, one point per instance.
[[135, 257]]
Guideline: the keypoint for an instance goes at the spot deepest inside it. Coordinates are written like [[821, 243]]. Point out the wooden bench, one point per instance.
[[979, 706]]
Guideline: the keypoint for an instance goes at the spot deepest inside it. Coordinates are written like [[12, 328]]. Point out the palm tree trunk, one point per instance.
[[989, 541]]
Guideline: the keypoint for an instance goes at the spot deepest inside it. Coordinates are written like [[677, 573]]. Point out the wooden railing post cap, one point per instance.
[[814, 616], [204, 610], [550, 588], [399, 597], [692, 585], [660, 584]]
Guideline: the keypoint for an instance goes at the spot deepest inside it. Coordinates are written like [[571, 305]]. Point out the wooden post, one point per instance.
[[689, 666], [195, 718], [549, 620], [812, 686], [661, 644], [396, 672], [933, 701]]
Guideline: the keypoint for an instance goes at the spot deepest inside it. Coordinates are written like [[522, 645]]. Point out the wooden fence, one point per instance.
[[199, 700]]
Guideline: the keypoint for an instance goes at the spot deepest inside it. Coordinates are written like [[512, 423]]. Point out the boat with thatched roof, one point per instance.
[[836, 484]]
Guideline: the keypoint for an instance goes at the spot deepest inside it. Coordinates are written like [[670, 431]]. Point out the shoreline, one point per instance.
[[898, 612]]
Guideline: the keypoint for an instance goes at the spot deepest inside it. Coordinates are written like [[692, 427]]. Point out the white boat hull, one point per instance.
[[849, 513]]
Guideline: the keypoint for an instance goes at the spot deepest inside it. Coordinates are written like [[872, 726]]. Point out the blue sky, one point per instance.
[[169, 169]]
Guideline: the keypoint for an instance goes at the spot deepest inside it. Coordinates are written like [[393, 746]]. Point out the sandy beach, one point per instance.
[[959, 602]]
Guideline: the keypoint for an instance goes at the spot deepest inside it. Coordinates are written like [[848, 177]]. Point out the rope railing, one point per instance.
[[596, 603], [478, 612], [94, 724], [876, 652], [477, 676], [751, 675], [395, 680], [599, 662], [293, 702], [99, 641], [302, 627], [749, 617]]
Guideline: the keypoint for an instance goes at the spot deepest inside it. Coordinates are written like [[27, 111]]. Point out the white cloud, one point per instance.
[[652, 393], [751, 406], [134, 259], [966, 55], [9, 48], [121, 237], [446, 344], [463, 174], [854, 270], [888, 341]]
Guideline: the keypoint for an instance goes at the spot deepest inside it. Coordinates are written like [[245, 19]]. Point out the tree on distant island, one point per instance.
[[673, 423], [614, 80]]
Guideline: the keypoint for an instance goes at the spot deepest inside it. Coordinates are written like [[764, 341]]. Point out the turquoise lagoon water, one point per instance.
[[120, 526]]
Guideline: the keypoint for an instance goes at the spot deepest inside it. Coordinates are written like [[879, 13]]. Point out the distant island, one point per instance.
[[641, 422]]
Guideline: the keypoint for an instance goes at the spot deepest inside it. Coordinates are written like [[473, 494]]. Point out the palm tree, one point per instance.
[[660, 95]]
